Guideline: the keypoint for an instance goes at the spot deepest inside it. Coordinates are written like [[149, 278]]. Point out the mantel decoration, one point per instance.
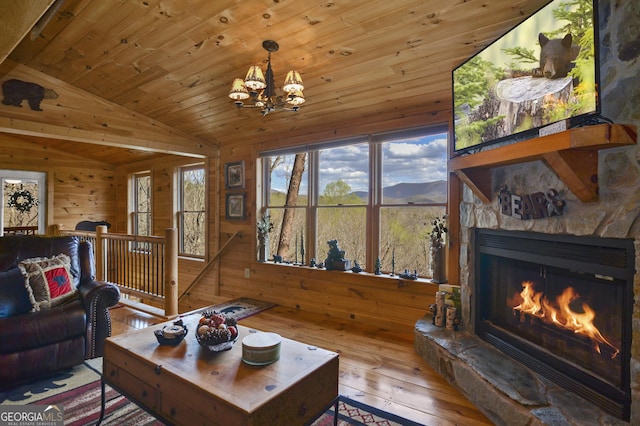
[[262, 91], [22, 200], [538, 205], [438, 242]]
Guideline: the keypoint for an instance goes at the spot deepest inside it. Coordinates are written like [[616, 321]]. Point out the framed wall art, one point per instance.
[[234, 175], [236, 206]]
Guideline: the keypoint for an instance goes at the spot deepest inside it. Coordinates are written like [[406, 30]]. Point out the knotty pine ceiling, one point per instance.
[[173, 61]]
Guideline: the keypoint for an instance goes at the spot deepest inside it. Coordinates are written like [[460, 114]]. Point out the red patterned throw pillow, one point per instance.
[[58, 281], [50, 280]]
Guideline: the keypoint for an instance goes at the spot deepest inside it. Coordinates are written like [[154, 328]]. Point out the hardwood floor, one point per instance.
[[376, 367]]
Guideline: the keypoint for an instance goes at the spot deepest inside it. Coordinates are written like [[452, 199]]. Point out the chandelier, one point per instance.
[[261, 90]]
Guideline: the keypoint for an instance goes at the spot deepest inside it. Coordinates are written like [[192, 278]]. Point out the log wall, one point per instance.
[[91, 190], [78, 188], [390, 303], [163, 188]]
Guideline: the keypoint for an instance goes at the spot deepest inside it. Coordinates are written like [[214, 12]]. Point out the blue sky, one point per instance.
[[408, 161]]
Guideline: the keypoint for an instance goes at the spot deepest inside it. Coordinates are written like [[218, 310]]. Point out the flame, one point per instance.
[[561, 314]]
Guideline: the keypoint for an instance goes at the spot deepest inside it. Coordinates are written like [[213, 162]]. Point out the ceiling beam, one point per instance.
[[80, 116], [16, 20]]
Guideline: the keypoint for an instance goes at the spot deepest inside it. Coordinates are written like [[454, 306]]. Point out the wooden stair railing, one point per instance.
[[161, 286], [20, 230], [208, 265]]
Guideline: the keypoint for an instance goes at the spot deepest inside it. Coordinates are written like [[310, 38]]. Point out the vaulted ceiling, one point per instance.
[[167, 65]]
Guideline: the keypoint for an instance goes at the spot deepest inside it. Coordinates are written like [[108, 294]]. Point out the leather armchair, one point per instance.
[[35, 344]]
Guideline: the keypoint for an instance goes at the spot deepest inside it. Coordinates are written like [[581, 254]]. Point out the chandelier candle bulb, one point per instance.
[[255, 78], [293, 82], [238, 90]]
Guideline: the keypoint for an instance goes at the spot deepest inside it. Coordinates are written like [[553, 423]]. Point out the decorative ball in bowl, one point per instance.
[[216, 331], [171, 334]]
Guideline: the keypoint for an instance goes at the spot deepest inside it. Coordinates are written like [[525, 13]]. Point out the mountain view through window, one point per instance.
[[378, 197]]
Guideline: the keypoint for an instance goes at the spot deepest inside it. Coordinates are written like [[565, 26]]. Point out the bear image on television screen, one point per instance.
[[16, 91], [557, 56]]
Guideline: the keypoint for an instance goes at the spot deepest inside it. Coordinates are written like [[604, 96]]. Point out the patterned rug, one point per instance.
[[78, 392], [239, 308]]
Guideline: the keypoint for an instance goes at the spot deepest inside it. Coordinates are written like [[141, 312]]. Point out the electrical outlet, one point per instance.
[[247, 272]]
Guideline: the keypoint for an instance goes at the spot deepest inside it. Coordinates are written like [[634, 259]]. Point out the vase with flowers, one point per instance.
[[264, 227], [438, 240]]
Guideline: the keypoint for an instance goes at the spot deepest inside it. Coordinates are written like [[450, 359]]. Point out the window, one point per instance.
[[289, 179], [191, 211], [343, 186], [377, 195], [413, 178], [141, 215]]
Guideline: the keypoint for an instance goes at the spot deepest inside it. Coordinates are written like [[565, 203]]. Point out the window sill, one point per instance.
[[401, 281]]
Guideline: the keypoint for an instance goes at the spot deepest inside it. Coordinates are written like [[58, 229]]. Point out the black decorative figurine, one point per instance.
[[335, 258]]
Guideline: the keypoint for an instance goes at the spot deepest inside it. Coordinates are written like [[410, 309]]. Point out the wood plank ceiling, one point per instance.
[[173, 61]]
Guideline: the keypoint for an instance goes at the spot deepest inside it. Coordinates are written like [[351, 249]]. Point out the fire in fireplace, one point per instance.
[[561, 305], [567, 313]]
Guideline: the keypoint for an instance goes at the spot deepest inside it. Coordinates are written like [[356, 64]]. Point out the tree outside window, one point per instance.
[[141, 214], [142, 204], [192, 213]]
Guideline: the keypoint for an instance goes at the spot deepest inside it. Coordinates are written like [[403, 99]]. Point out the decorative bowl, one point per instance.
[[171, 335], [220, 347], [216, 332]]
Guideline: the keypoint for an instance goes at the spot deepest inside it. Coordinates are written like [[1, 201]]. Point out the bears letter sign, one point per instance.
[[532, 206]]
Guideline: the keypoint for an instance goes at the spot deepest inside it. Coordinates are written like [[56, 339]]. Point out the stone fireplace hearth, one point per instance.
[[506, 391]]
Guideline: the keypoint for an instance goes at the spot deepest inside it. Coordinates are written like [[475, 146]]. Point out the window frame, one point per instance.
[[180, 210], [134, 224], [375, 202]]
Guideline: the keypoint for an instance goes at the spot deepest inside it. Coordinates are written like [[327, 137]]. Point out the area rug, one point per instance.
[[78, 392], [240, 308]]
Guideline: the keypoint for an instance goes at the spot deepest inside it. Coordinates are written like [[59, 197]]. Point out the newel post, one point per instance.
[[100, 252], [54, 230], [171, 272]]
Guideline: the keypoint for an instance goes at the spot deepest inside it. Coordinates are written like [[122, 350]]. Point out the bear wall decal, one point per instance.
[[16, 91]]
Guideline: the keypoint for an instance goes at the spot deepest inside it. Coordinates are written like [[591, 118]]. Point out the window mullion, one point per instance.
[[312, 209], [373, 208]]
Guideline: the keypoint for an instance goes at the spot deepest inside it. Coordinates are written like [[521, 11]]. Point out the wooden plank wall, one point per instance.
[[163, 174], [78, 188], [390, 303], [90, 190]]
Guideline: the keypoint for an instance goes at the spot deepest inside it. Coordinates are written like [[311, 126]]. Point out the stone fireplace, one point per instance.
[[503, 388]]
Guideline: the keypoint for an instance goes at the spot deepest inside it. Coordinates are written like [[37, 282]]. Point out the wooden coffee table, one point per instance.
[[187, 384]]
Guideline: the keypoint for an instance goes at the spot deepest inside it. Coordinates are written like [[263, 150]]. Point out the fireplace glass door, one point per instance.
[[559, 309]]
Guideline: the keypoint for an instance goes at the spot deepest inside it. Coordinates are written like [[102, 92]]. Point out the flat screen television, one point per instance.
[[540, 77]]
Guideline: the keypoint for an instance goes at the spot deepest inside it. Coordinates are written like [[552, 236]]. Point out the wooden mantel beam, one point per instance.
[[80, 116], [572, 155]]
